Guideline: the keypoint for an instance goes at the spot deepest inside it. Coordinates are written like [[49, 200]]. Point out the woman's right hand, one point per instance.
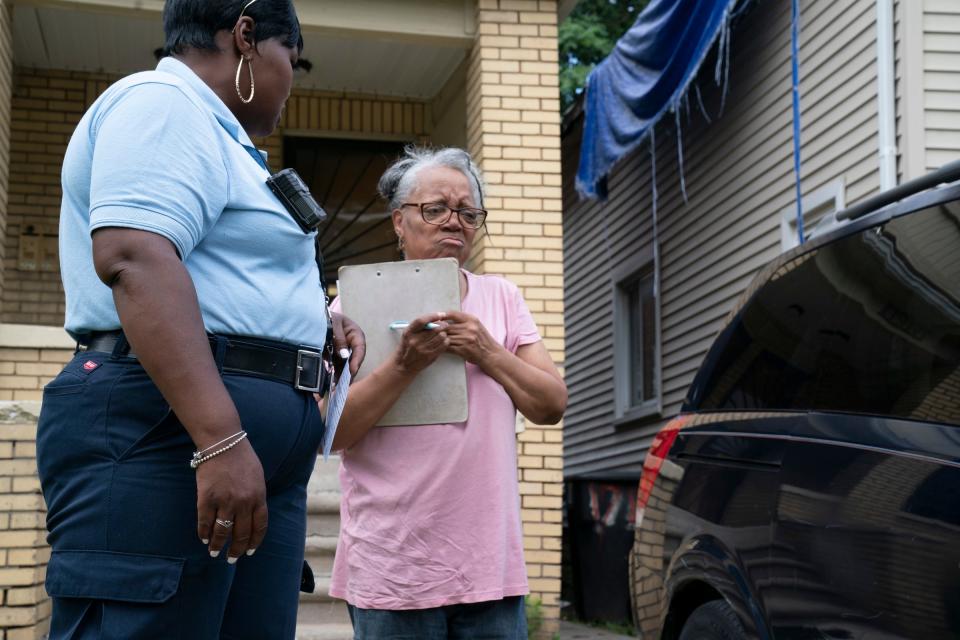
[[419, 346], [157, 304], [230, 487]]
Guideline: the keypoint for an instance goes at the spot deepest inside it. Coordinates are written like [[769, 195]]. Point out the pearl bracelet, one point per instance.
[[199, 457]]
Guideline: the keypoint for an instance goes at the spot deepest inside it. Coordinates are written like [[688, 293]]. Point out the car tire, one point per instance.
[[714, 620]]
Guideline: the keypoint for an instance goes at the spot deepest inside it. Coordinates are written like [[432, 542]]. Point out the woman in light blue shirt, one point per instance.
[[187, 415]]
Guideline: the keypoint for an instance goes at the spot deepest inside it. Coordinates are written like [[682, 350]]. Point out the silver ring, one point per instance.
[[226, 524]]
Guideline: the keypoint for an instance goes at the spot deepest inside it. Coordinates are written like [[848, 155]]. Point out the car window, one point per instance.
[[869, 323]]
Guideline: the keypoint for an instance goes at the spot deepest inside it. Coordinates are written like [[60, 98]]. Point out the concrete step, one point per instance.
[[325, 476], [323, 504], [321, 617], [326, 525], [321, 545], [323, 501], [317, 613], [319, 553], [320, 593], [325, 632]]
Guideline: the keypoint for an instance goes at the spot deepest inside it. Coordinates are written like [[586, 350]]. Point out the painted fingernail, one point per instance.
[[344, 354], [214, 554], [231, 560], [205, 540], [250, 552]]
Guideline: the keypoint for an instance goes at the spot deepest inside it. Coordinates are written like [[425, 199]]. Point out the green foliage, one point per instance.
[[534, 610], [587, 36]]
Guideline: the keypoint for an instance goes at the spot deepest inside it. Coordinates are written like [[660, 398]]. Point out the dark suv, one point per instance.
[[810, 487]]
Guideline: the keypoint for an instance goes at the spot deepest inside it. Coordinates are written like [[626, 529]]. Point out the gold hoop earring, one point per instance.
[[236, 81]]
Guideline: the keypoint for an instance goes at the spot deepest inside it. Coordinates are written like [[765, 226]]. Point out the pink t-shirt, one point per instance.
[[430, 515]]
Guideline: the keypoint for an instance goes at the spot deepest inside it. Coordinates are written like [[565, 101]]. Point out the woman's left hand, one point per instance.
[[469, 339], [347, 334], [529, 376]]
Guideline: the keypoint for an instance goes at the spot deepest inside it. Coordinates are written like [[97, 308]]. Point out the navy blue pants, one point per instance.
[[122, 509]]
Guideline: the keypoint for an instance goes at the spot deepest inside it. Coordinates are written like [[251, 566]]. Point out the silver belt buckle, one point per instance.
[[301, 354]]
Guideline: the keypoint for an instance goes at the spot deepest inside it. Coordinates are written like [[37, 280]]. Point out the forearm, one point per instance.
[[160, 315], [540, 396], [368, 401]]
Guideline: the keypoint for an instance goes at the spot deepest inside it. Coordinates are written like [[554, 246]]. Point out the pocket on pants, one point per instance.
[[75, 375], [108, 575], [132, 595], [136, 413], [69, 430]]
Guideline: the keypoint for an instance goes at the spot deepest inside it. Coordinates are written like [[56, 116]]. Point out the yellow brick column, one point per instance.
[[6, 91], [24, 609], [513, 131], [30, 356]]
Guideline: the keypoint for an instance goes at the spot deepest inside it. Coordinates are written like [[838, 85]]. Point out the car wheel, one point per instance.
[[714, 620]]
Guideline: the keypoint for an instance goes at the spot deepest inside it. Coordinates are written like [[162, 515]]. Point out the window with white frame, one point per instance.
[[819, 208], [637, 339]]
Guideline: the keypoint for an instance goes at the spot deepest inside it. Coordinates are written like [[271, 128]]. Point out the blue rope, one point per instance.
[[795, 36]]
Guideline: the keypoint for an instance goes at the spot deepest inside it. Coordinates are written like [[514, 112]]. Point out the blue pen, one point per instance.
[[400, 325]]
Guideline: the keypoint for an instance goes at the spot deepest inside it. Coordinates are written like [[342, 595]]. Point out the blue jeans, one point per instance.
[[494, 620], [122, 509]]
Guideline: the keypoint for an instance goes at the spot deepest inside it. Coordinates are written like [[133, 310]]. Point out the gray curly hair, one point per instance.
[[400, 178]]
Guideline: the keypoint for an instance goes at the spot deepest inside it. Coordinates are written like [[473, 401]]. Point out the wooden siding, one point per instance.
[[739, 178], [941, 81]]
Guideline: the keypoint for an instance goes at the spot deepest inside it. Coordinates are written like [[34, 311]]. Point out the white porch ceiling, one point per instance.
[[84, 36], [380, 66]]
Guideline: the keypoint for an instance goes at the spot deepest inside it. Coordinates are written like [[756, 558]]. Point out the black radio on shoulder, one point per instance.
[[297, 199]]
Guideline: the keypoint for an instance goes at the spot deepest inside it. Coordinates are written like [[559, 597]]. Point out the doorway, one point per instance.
[[342, 175]]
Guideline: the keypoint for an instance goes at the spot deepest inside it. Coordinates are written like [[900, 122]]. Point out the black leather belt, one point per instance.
[[301, 367]]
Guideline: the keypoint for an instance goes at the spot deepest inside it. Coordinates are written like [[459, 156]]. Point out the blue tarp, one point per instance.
[[645, 76]]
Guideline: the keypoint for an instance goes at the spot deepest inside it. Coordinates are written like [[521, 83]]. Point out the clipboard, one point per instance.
[[374, 296]]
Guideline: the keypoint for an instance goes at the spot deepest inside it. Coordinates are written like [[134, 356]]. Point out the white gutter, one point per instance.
[[886, 96]]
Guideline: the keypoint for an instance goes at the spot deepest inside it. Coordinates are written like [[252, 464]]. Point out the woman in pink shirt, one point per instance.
[[431, 545]]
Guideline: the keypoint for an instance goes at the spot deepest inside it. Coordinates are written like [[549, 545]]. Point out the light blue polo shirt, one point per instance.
[[159, 151]]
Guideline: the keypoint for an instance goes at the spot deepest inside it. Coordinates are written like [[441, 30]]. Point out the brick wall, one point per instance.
[[46, 106], [337, 114], [24, 607], [6, 87], [24, 371], [30, 356], [513, 131]]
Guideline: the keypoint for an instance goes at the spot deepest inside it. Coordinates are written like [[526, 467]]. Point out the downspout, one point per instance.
[[795, 93], [886, 96]]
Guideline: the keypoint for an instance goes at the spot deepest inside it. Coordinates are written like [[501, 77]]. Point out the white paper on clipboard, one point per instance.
[[373, 296]]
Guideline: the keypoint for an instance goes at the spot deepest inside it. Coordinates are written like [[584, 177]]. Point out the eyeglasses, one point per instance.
[[439, 213]]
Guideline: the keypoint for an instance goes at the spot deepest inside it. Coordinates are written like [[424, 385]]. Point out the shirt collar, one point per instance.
[[220, 111]]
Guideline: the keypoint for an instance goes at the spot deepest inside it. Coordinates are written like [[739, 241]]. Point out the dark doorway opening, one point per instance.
[[343, 175]]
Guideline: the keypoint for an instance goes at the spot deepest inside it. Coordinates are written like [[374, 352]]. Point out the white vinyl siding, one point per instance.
[[941, 81]]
